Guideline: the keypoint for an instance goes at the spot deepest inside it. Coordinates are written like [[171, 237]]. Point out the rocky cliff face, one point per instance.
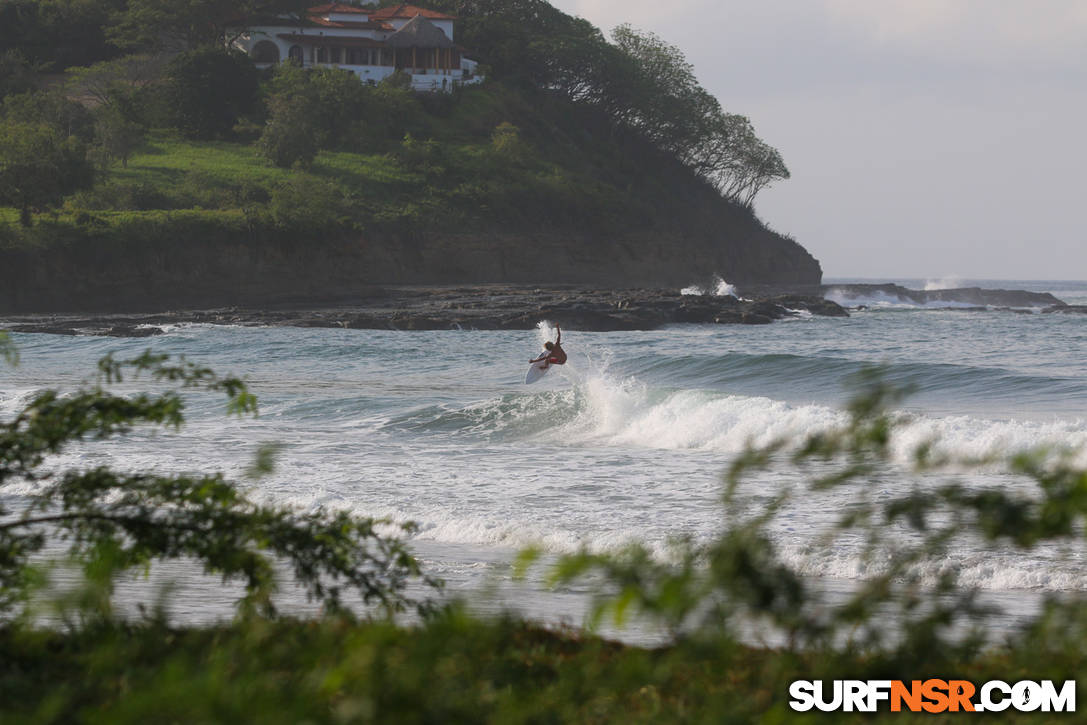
[[170, 273]]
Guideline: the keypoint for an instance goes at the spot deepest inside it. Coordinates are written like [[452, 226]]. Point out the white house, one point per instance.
[[372, 44]]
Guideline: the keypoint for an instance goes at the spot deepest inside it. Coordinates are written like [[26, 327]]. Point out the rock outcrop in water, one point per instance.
[[486, 307], [507, 307], [865, 294]]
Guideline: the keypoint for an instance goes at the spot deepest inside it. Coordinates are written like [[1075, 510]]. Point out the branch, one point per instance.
[[132, 520]]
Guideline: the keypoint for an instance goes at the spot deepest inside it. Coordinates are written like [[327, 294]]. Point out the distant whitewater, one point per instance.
[[719, 288], [626, 442]]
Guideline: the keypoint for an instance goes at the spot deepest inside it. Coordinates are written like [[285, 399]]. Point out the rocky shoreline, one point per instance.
[[511, 307], [483, 307]]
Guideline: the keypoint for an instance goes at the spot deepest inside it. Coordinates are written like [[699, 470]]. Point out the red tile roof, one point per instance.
[[353, 24], [338, 8], [403, 10]]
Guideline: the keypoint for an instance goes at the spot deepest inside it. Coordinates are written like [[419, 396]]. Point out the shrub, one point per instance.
[[116, 522], [209, 90], [307, 204], [68, 118], [38, 166], [290, 137]]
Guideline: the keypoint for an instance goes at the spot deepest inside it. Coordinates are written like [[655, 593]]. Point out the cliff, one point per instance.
[[570, 199], [189, 267]]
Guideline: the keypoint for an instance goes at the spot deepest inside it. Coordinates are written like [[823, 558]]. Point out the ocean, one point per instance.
[[625, 443]]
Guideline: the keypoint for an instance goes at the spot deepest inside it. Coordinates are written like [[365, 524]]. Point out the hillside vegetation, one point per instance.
[[580, 160]]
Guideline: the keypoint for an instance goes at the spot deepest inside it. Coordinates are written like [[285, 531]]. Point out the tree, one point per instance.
[[398, 79], [311, 109], [109, 82], [67, 117], [506, 142], [533, 45], [669, 107], [309, 205], [666, 102], [115, 522], [16, 73], [735, 160], [38, 166], [57, 34], [209, 90], [177, 25], [117, 134], [290, 136], [640, 82]]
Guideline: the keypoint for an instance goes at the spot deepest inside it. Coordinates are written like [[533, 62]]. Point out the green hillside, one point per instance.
[[196, 152]]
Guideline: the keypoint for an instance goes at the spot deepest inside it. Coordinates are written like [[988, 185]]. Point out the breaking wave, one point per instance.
[[604, 409]]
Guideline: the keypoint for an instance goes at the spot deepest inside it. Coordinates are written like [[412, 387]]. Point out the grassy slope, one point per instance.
[[565, 173]]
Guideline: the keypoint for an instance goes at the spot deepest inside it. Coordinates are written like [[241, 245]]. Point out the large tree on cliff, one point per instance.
[[639, 81], [669, 107]]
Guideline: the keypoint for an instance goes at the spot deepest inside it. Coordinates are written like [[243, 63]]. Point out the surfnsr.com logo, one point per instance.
[[932, 696]]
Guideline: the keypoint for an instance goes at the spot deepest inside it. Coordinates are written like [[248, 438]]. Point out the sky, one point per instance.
[[927, 139]]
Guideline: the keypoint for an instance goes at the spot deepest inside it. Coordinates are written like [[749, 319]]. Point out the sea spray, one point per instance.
[[720, 288], [878, 299], [953, 281]]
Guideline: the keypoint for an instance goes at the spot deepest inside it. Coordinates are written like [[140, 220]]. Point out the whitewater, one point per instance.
[[625, 443]]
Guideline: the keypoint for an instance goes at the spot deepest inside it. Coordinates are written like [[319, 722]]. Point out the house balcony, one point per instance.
[[422, 79]]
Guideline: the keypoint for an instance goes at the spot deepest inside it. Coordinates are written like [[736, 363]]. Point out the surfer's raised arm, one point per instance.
[[558, 335]]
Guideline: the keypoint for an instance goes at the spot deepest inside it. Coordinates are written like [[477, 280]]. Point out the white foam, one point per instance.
[[720, 288], [992, 570], [967, 437], [883, 300], [626, 413], [623, 411], [545, 332], [953, 281]]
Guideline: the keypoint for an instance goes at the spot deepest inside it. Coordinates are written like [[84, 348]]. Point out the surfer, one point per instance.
[[554, 354]]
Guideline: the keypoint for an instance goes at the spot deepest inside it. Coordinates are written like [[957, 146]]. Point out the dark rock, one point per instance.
[[132, 331], [974, 296], [499, 307], [44, 329], [814, 305]]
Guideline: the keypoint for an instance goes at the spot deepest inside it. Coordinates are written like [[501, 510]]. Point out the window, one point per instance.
[[295, 54], [265, 52]]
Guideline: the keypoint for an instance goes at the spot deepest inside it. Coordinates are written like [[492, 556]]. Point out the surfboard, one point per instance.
[[536, 371]]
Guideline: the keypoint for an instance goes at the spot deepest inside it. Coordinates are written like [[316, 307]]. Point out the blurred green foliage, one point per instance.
[[115, 522]]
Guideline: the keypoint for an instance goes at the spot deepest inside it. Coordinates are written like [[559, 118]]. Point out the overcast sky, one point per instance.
[[926, 138]]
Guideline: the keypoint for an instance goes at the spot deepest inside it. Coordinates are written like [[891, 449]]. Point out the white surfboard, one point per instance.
[[536, 371]]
